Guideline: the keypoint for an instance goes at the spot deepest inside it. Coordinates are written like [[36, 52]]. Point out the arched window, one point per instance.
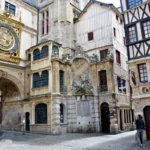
[[103, 81], [44, 78], [36, 80], [41, 114], [44, 52], [62, 113], [36, 54], [55, 50]]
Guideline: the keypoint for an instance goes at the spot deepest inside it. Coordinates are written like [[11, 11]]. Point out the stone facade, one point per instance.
[[56, 87]]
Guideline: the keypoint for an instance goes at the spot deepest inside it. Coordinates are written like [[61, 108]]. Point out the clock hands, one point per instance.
[[4, 40]]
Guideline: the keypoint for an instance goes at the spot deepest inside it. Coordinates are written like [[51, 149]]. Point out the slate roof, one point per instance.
[[31, 3], [101, 3]]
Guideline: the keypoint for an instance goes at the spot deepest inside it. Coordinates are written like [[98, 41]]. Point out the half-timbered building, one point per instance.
[[136, 15]]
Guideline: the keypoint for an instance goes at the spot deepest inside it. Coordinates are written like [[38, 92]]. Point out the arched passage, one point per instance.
[[147, 121], [9, 108], [105, 118]]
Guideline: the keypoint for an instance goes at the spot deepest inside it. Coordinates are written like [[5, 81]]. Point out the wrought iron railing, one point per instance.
[[102, 88]]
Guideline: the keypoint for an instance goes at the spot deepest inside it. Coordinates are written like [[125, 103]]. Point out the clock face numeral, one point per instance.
[[7, 39]]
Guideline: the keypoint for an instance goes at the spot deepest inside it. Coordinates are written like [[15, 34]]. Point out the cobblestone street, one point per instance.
[[17, 141]]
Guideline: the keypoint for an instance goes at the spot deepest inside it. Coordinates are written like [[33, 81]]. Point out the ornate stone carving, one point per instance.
[[3, 73], [80, 53], [110, 54], [146, 89], [66, 57], [93, 58], [10, 58], [83, 85]]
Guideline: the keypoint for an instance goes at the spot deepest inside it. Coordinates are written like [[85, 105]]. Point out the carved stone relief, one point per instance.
[[81, 83]]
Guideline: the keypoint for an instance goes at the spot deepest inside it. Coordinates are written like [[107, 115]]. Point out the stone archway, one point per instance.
[[10, 107], [105, 118]]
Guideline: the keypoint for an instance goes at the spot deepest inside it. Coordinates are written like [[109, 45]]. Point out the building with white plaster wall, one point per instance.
[[137, 26]]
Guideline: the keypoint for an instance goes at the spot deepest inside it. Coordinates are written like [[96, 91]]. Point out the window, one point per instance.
[[90, 36], [143, 72], [123, 82], [39, 55], [55, 50], [36, 54], [114, 32], [133, 3], [116, 17], [61, 80], [41, 114], [103, 54], [36, 80], [44, 52], [118, 60], [11, 8], [44, 78], [146, 29], [132, 35], [62, 111], [121, 85], [40, 81], [45, 22], [103, 81]]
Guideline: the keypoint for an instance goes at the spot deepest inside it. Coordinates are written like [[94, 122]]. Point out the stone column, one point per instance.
[[49, 113], [56, 116], [55, 77], [96, 114], [32, 113], [114, 128], [122, 118]]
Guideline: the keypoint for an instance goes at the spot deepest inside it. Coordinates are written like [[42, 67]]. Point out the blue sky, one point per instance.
[[115, 2]]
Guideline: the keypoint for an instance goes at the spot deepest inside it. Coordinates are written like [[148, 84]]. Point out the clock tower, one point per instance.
[[10, 33]]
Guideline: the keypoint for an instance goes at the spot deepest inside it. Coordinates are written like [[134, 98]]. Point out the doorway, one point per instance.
[[105, 117], [147, 121], [27, 122]]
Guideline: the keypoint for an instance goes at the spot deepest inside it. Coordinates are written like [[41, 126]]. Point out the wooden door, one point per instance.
[[147, 121]]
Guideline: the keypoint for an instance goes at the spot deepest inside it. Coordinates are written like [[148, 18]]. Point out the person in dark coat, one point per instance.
[[140, 126]]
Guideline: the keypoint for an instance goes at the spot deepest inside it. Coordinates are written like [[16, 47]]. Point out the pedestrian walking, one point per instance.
[[140, 126]]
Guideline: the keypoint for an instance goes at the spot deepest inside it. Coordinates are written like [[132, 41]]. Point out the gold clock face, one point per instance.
[[7, 39]]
